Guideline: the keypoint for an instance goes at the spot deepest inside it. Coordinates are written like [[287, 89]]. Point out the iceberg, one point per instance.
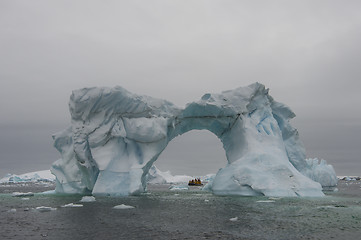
[[155, 176], [38, 176], [87, 199], [116, 136]]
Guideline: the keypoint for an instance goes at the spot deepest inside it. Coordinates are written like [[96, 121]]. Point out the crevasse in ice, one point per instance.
[[115, 137]]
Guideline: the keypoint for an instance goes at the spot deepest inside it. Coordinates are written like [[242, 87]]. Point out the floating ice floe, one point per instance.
[[88, 199], [123, 206], [180, 187], [22, 194], [233, 219], [45, 209], [72, 205], [265, 201], [274, 198]]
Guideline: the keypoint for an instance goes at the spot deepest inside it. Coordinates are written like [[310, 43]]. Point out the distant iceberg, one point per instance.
[[155, 176], [115, 137], [38, 176]]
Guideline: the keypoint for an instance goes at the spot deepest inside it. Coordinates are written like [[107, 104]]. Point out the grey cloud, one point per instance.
[[306, 52]]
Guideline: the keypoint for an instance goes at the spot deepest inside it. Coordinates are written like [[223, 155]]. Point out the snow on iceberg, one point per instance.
[[116, 136]]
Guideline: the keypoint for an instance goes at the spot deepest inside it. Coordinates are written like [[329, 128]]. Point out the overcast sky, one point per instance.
[[307, 52]]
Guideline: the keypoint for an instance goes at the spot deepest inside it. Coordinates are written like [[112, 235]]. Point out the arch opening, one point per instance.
[[194, 153]]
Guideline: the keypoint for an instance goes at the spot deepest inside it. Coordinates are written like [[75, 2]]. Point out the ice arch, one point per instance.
[[116, 136]]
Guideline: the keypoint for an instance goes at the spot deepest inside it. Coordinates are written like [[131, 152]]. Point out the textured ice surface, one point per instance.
[[116, 136]]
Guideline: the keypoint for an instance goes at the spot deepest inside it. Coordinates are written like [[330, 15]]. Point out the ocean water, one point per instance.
[[193, 214]]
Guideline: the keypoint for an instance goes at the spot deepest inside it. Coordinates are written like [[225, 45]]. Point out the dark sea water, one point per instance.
[[193, 214]]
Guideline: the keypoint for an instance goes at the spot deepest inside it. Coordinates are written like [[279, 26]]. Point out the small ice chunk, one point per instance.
[[274, 198], [25, 198], [179, 187], [87, 199], [72, 205], [45, 209], [123, 206], [206, 200], [12, 210], [233, 219], [21, 194], [265, 201]]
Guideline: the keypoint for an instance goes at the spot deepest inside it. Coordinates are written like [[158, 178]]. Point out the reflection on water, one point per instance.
[[164, 214]]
